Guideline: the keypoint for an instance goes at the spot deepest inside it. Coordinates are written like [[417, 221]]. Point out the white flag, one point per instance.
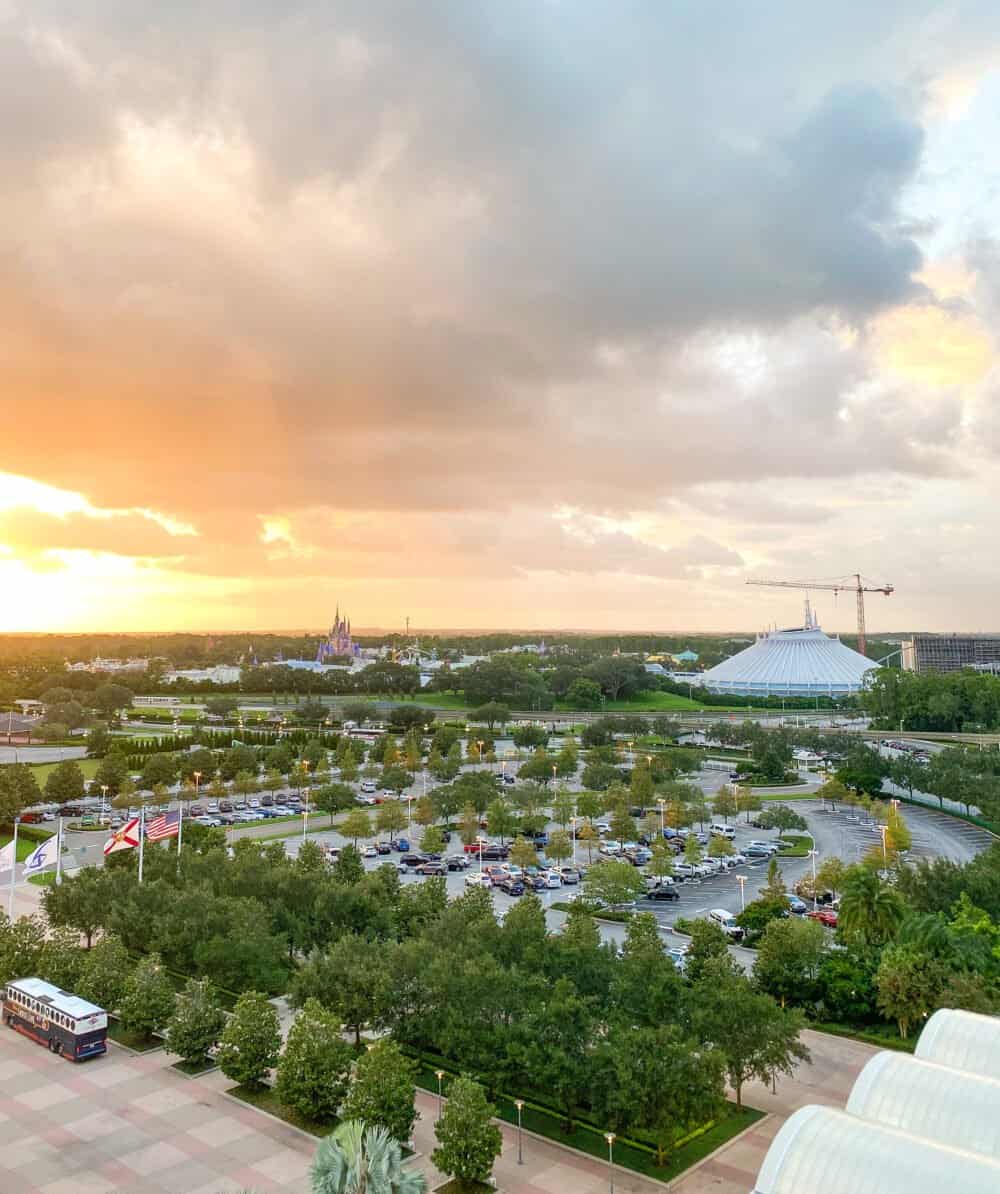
[[43, 856], [7, 859]]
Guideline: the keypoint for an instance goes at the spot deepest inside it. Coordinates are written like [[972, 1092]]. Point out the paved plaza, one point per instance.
[[132, 1125]]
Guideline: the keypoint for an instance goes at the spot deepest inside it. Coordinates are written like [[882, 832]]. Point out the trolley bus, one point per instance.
[[68, 1025]]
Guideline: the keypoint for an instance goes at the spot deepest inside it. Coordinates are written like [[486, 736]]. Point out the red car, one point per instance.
[[825, 916], [473, 847]]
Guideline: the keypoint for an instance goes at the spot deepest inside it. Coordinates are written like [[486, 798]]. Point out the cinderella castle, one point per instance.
[[338, 642]]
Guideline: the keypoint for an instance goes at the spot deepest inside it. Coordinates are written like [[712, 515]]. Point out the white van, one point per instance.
[[720, 829], [727, 922], [368, 785]]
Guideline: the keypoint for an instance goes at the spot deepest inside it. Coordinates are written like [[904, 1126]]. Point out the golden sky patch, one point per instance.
[[933, 347]]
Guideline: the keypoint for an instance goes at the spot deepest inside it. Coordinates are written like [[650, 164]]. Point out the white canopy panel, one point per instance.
[[941, 1104], [962, 1040], [803, 662], [823, 1151]]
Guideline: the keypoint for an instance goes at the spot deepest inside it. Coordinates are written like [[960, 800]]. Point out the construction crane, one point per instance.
[[855, 584]]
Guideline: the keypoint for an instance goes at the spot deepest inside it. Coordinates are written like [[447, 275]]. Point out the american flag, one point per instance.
[[164, 826]]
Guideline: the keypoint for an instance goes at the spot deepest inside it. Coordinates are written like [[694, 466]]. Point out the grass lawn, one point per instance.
[[637, 1154], [25, 845], [138, 1042], [784, 797], [265, 1099], [886, 1036], [194, 1068], [45, 879], [798, 845], [44, 770]]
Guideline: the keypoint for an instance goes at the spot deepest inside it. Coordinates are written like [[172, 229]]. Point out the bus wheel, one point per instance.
[[56, 1048]]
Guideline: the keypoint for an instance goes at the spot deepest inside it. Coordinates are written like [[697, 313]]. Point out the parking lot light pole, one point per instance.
[[519, 1104], [812, 855], [104, 796], [439, 1074], [610, 1138], [662, 803], [742, 881], [572, 822]]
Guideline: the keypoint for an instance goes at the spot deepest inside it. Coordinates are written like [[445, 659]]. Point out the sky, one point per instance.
[[548, 313]]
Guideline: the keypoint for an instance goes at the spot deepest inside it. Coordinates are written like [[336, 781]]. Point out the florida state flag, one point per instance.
[[125, 838]]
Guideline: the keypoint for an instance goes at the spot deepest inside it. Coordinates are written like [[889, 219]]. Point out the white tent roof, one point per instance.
[[800, 662], [943, 1105], [823, 1151], [963, 1040]]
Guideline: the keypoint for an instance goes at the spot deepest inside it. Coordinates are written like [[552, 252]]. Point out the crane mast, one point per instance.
[[854, 584]]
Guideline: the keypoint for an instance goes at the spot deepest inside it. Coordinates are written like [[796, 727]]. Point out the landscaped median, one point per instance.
[[264, 1099], [636, 1151]]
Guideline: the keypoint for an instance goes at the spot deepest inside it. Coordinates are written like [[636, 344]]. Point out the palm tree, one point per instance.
[[356, 1159], [870, 910]]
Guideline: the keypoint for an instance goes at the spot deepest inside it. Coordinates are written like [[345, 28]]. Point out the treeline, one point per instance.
[[943, 701]]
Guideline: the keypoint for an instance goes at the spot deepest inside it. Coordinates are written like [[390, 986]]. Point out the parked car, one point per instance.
[[412, 860], [570, 875], [756, 852], [512, 887], [799, 907], [684, 870], [402, 844], [457, 862], [383, 848], [474, 847], [551, 879], [727, 923], [678, 957], [825, 916], [432, 868], [663, 891], [369, 852], [495, 852], [770, 847], [478, 879]]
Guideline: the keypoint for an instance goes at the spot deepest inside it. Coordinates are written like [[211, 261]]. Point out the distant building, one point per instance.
[[951, 652], [687, 656], [109, 665], [223, 673], [338, 642]]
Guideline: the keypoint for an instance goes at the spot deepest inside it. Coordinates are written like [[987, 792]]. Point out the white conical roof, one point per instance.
[[800, 662]]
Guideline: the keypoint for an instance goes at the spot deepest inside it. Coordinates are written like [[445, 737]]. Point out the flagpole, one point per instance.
[[180, 826], [59, 852], [142, 836], [13, 872]]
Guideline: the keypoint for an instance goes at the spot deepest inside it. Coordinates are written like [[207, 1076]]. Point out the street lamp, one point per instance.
[[519, 1104], [104, 794], [439, 1074], [885, 857], [553, 775], [480, 744], [610, 1138], [572, 822], [812, 855], [742, 881], [661, 802]]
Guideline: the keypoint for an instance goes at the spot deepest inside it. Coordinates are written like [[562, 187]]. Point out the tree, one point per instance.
[[789, 957], [870, 910], [468, 1140], [359, 712], [348, 870], [356, 825], [560, 846], [530, 736], [334, 798], [692, 850], [724, 805], [588, 835], [584, 693], [147, 1002], [250, 1041], [197, 1022], [830, 874], [747, 800], [908, 983], [383, 1090], [390, 818], [782, 818], [621, 823], [774, 889], [21, 944], [662, 863], [423, 810], [65, 783], [613, 883], [357, 1159], [104, 973], [492, 713], [314, 1072], [159, 769], [834, 792], [395, 779], [598, 777], [346, 978], [500, 819], [708, 944], [98, 742], [662, 1083], [523, 853], [757, 1038], [222, 706], [18, 790], [432, 840], [80, 902], [720, 847], [111, 773]]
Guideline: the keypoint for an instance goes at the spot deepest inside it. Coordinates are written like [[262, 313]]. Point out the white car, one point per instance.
[[282, 810], [774, 847], [369, 852], [552, 879], [478, 879]]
